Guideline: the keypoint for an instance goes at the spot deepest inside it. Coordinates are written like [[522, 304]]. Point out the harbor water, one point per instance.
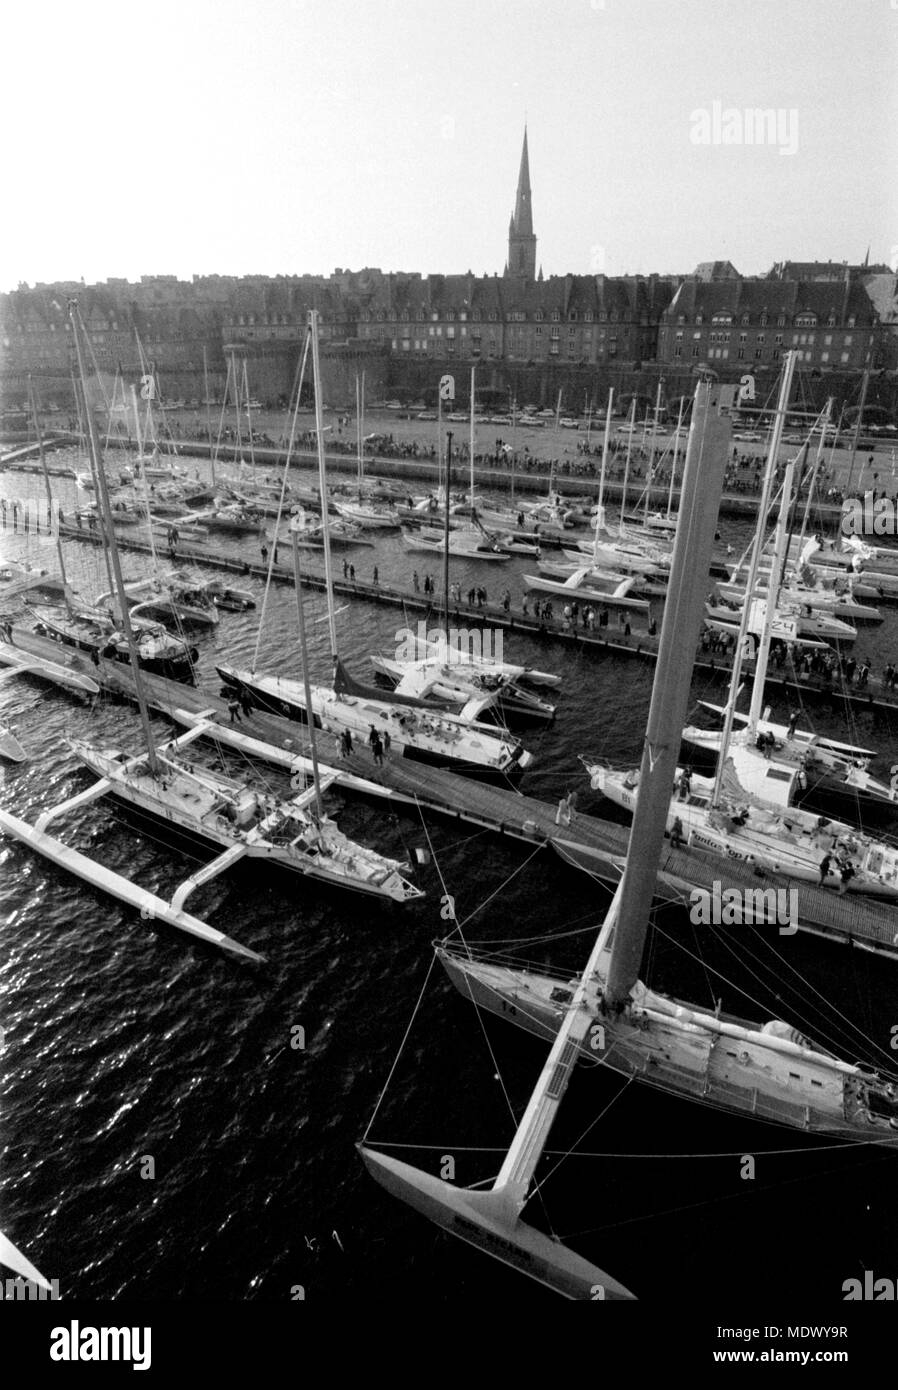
[[177, 1124]]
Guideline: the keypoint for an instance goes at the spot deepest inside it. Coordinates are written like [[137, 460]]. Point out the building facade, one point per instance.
[[528, 334]]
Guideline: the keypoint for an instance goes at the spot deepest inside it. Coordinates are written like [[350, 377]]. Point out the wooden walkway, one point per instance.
[[596, 846], [610, 641]]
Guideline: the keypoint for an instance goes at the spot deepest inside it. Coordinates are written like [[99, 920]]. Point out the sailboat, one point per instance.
[[608, 1015], [243, 821], [95, 629], [415, 730], [370, 515], [744, 812]]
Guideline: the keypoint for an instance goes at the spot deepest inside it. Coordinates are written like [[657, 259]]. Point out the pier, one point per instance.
[[607, 641], [595, 846]]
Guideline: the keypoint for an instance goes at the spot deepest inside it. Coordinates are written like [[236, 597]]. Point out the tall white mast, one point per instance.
[[754, 565], [773, 587], [631, 423], [673, 466], [471, 436], [600, 508], [699, 506]]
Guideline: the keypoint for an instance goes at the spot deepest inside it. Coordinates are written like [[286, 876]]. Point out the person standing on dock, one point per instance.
[[275, 552], [345, 569], [524, 608], [386, 740], [375, 577], [352, 573], [824, 868], [264, 550], [377, 749], [246, 703], [234, 710], [415, 581], [506, 600], [793, 721]]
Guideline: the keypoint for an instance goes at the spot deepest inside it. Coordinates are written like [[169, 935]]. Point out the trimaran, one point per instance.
[[162, 782], [608, 1015]]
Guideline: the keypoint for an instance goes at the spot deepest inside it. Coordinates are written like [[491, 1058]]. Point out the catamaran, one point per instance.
[[608, 1015]]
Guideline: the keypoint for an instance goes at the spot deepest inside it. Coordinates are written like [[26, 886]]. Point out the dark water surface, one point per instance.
[[124, 1041]]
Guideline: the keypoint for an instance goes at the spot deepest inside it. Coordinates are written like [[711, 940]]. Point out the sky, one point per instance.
[[193, 137]]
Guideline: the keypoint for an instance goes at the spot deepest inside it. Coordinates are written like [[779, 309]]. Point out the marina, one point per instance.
[[449, 682]]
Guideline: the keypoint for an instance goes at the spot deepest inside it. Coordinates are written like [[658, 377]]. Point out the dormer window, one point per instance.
[[572, 316], [745, 319], [538, 316], [555, 316], [588, 316], [699, 318]]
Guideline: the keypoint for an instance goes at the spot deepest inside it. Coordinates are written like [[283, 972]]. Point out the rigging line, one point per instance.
[[602, 1113], [401, 1046], [743, 992], [797, 1151], [710, 1201], [873, 1048], [502, 885]]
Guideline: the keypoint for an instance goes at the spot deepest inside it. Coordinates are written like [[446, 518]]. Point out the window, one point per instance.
[[572, 316], [695, 350], [699, 318], [588, 316], [555, 315]]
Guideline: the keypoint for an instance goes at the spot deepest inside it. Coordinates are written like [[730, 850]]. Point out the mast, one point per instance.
[[304, 658], [754, 565], [103, 494], [358, 434], [322, 484], [651, 470], [471, 443], [773, 585], [623, 501], [239, 439], [142, 478], [207, 405], [857, 427], [249, 417], [600, 508], [676, 449], [446, 537], [706, 455], [105, 528], [818, 459], [43, 458]]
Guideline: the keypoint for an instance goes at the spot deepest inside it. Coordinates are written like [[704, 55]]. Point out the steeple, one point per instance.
[[521, 240]]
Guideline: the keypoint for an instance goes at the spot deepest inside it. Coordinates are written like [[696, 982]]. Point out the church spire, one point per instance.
[[521, 240]]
